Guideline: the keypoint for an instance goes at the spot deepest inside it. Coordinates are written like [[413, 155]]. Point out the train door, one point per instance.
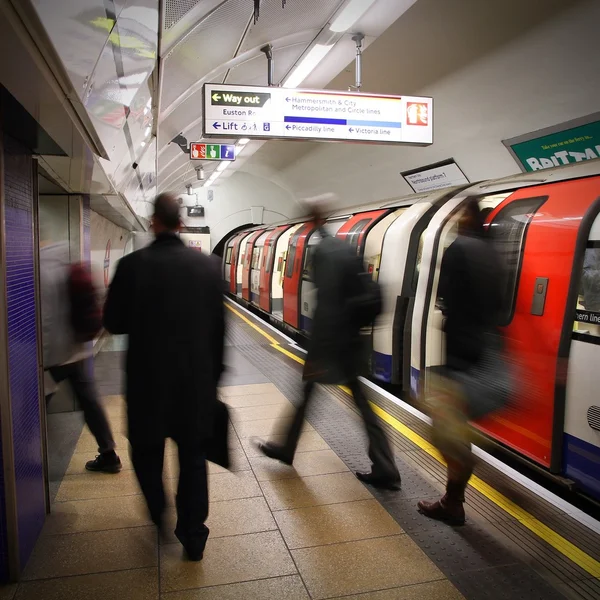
[[281, 252], [257, 266], [228, 259], [308, 297], [239, 264], [248, 261], [268, 267], [293, 275], [235, 255], [582, 415]]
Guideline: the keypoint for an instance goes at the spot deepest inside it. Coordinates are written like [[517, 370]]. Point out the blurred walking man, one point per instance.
[[334, 351], [71, 317], [168, 299]]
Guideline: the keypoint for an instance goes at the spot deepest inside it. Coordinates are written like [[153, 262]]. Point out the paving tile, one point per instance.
[[288, 588], [246, 390], [246, 401], [230, 517], [97, 515], [97, 485], [363, 566], [138, 584], [437, 590], [7, 592], [308, 442], [266, 427], [226, 560], [314, 491], [92, 552], [223, 486], [255, 413], [334, 523], [319, 462]]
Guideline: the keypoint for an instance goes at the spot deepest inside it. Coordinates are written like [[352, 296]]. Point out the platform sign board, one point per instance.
[[435, 177], [200, 151], [279, 113], [567, 143]]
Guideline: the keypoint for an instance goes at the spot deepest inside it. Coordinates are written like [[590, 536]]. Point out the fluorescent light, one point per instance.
[[243, 141], [309, 62], [222, 166], [148, 131], [143, 144], [351, 13]]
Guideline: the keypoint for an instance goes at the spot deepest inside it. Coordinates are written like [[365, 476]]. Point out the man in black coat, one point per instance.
[[334, 352], [168, 299]]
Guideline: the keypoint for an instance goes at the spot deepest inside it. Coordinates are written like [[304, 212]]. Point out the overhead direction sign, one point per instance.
[[212, 151], [280, 113]]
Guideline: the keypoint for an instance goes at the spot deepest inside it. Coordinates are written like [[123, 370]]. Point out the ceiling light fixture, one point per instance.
[[222, 166], [148, 131], [243, 141], [317, 53], [351, 13]]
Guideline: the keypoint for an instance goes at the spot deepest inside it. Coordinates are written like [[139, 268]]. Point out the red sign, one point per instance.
[[198, 151], [417, 113]]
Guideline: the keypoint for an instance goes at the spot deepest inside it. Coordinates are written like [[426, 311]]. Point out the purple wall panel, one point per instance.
[[22, 344]]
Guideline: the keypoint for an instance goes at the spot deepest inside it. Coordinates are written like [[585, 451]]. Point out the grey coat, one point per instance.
[[334, 348]]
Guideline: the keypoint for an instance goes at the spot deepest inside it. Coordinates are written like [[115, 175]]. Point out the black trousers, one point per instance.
[[84, 389], [380, 452], [192, 489]]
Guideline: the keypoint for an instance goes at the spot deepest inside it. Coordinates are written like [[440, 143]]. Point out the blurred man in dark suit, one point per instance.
[[168, 299]]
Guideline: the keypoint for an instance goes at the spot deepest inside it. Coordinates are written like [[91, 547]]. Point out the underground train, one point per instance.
[[546, 226]]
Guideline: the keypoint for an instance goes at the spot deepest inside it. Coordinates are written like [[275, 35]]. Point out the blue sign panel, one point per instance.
[[227, 152]]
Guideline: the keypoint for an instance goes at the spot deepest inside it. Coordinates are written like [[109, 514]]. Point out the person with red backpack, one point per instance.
[[71, 318]]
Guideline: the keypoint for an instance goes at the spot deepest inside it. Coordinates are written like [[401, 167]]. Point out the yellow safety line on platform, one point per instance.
[[557, 541]]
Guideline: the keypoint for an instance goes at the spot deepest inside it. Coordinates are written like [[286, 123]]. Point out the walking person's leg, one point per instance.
[[148, 460], [285, 453], [85, 392], [450, 436], [192, 500], [384, 471]]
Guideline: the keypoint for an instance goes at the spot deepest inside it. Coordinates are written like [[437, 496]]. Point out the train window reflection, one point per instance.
[[508, 231], [353, 236], [228, 255], [587, 314]]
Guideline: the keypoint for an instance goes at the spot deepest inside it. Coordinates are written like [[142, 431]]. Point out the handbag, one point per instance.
[[218, 445]]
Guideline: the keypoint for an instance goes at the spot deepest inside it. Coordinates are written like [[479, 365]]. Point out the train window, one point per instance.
[[255, 258], [289, 267], [587, 314], [228, 255], [353, 236], [308, 265], [507, 231]]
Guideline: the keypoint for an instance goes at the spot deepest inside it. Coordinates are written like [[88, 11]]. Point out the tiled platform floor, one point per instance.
[[277, 532]]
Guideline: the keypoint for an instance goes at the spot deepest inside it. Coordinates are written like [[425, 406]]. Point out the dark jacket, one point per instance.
[[168, 299], [470, 290], [334, 348]]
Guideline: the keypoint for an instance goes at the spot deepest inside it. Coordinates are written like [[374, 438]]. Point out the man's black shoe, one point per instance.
[[194, 551], [379, 481], [275, 452], [108, 462]]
